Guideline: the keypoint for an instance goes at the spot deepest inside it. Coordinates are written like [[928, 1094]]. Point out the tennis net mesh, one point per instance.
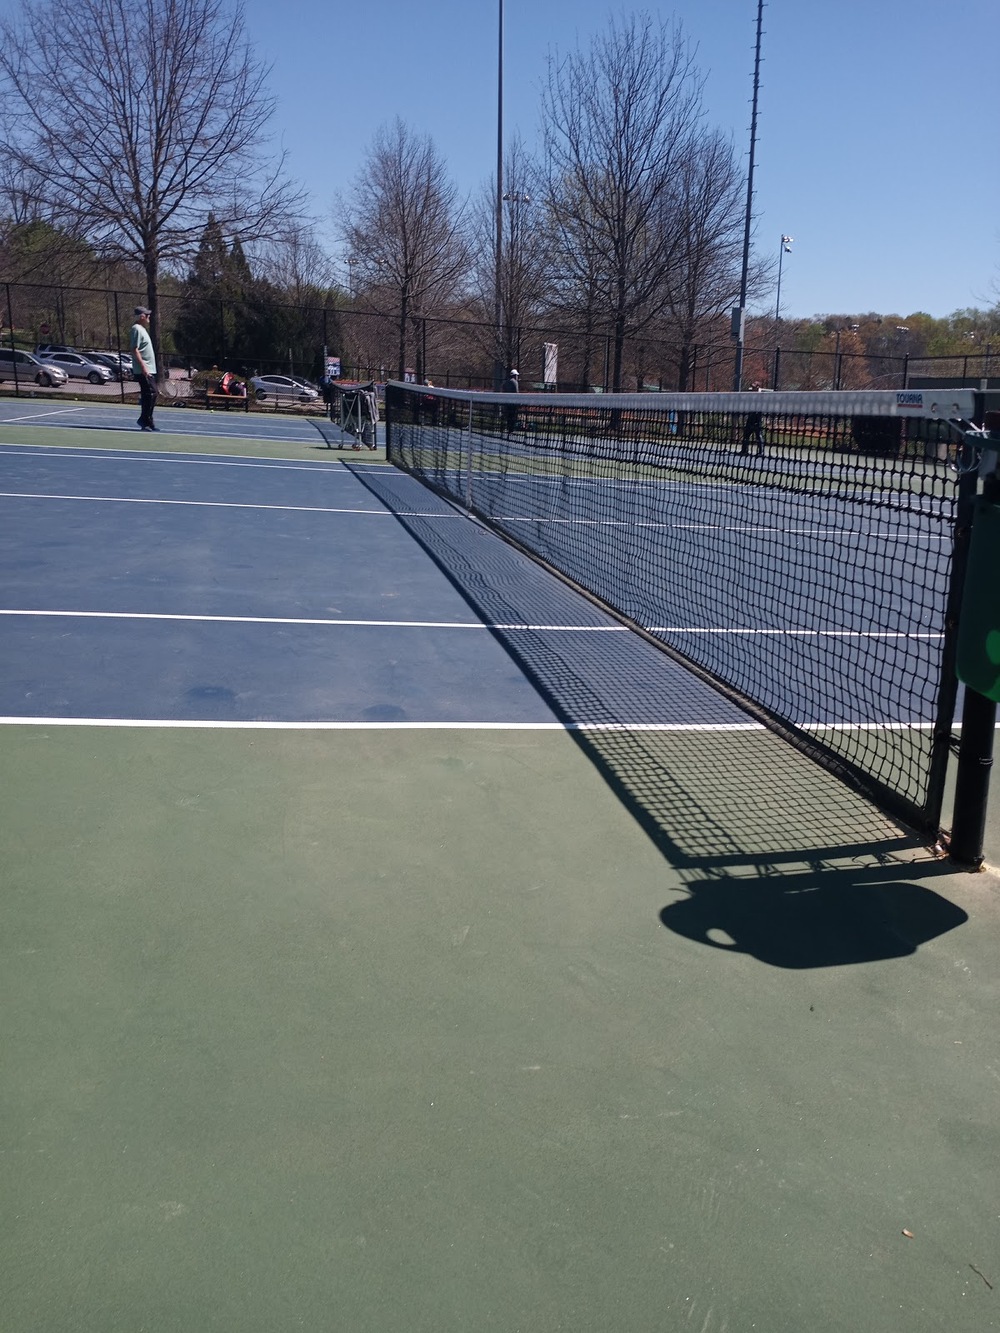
[[796, 548]]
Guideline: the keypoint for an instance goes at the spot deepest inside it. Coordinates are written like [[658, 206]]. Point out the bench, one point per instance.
[[228, 400]]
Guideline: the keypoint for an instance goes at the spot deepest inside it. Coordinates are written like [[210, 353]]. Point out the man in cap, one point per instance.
[[510, 413], [144, 365]]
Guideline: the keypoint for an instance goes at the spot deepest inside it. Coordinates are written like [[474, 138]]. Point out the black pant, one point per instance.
[[753, 433], [147, 397]]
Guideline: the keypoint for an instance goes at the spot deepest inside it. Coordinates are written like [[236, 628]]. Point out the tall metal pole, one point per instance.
[[785, 248], [777, 299], [498, 370], [739, 315]]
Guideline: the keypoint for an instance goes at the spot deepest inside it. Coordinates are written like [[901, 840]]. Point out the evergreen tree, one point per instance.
[[211, 322]]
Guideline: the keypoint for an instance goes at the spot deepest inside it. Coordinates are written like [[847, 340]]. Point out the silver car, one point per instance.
[[77, 367], [30, 370], [115, 363], [282, 387]]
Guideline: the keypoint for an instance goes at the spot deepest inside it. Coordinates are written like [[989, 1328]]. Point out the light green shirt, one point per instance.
[[141, 345]]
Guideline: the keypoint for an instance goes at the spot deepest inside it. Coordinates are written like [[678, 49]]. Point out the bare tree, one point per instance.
[[19, 189], [137, 117], [403, 226], [704, 278], [526, 263], [618, 120], [294, 260]]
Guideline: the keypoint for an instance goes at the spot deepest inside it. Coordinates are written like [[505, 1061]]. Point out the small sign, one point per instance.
[[551, 372], [333, 367]]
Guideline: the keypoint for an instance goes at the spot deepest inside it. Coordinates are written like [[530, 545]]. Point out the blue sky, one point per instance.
[[877, 143], [877, 146]]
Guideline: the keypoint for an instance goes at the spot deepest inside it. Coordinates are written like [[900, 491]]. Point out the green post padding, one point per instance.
[[979, 627]]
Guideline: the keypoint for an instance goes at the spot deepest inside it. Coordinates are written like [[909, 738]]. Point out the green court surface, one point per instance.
[[384, 1030], [165, 441], [447, 1030]]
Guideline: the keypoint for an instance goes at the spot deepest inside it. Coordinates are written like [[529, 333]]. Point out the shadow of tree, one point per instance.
[[780, 859]]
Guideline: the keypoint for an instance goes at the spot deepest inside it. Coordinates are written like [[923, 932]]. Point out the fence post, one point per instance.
[[10, 325], [118, 340], [776, 376]]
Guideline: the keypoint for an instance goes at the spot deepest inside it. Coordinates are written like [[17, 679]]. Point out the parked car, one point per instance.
[[282, 387], [77, 367], [29, 369], [43, 349], [120, 367]]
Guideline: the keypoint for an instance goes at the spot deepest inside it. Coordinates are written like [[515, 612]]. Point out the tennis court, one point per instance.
[[394, 940]]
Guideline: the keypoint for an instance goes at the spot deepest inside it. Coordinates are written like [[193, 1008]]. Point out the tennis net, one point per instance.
[[795, 548]]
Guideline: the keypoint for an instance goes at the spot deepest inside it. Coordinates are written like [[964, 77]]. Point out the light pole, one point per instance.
[[510, 302], [739, 314], [498, 370], [784, 249]]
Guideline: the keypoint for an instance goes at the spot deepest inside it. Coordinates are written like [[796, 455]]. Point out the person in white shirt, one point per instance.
[[144, 365]]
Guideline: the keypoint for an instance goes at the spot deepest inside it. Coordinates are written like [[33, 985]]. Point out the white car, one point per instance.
[[77, 367], [282, 387], [30, 370]]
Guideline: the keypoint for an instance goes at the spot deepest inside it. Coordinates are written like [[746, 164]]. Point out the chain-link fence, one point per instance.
[[277, 350]]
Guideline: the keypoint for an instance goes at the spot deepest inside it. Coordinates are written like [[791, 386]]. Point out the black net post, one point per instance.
[[975, 758], [972, 786]]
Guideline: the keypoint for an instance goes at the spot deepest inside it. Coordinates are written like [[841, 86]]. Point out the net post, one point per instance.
[[972, 783], [975, 757], [965, 500]]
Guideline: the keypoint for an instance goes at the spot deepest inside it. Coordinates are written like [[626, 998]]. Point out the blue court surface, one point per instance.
[[211, 589]]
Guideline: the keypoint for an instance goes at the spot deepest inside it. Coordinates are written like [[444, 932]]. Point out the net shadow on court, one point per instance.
[[813, 576], [779, 859]]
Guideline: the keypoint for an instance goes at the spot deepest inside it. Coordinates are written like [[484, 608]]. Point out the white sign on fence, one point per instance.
[[551, 362]]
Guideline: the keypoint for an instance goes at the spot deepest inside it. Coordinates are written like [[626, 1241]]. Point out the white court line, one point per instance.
[[469, 624], [801, 633], [208, 504], [49, 452], [283, 620], [191, 724], [842, 533], [58, 412], [865, 726]]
